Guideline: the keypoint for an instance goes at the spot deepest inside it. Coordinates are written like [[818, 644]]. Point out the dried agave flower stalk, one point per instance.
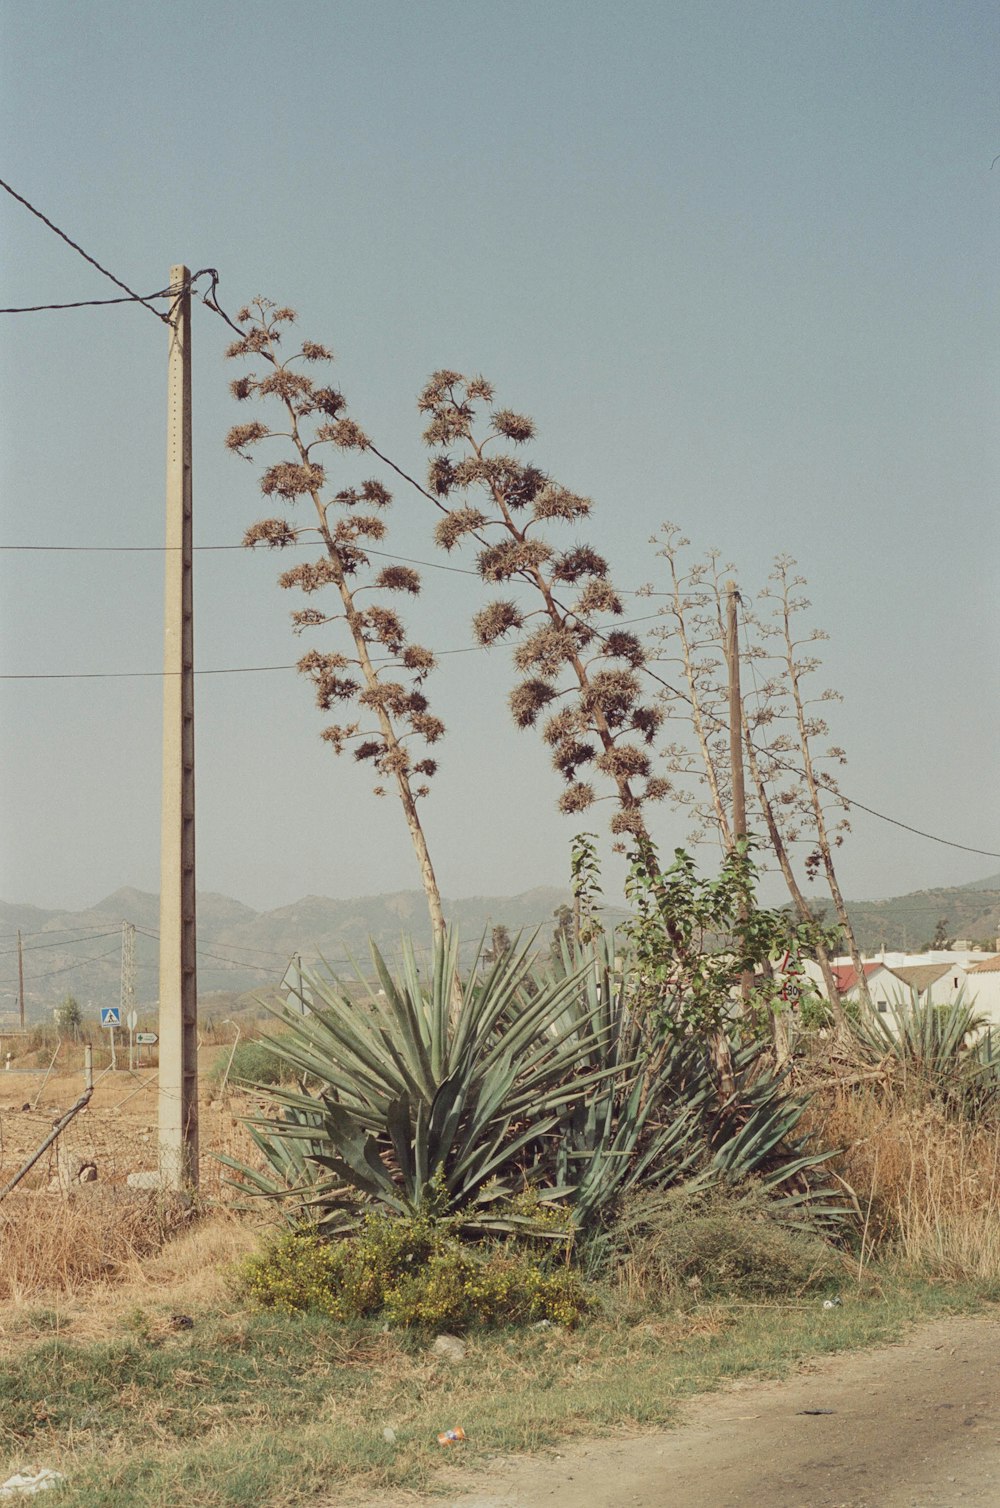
[[380, 683], [694, 638], [812, 797], [580, 681]]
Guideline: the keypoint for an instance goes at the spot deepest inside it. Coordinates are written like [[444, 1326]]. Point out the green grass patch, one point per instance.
[[272, 1409]]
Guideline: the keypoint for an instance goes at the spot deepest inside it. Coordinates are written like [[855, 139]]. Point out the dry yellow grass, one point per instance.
[[928, 1185], [87, 1263]]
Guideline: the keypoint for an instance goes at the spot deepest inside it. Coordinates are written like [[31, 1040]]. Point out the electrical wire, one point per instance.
[[211, 301], [133, 296], [81, 963], [210, 298], [40, 947], [113, 675], [55, 932]]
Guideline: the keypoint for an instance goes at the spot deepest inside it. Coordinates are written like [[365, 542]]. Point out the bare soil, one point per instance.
[[914, 1425], [117, 1130]]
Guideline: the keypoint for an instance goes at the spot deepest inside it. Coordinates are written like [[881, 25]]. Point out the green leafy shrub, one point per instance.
[[253, 1063], [412, 1271]]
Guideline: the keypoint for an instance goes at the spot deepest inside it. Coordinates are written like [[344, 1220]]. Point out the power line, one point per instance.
[[112, 675], [56, 932], [133, 296], [210, 298], [41, 947], [81, 963], [90, 303], [430, 565]]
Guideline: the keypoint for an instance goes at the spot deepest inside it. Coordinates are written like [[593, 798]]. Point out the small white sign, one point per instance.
[[111, 1015], [146, 1039], [132, 1020]]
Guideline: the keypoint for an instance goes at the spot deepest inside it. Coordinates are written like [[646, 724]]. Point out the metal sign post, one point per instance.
[[111, 1016]]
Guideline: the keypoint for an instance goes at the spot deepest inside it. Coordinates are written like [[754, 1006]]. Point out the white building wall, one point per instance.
[[984, 991]]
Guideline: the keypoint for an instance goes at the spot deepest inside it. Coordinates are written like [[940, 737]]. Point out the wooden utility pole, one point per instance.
[[735, 714], [178, 981], [20, 979], [736, 745]]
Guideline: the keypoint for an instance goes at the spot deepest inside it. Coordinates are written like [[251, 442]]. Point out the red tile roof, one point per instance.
[[846, 977]]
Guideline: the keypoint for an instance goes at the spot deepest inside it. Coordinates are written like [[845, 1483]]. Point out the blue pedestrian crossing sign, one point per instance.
[[111, 1015]]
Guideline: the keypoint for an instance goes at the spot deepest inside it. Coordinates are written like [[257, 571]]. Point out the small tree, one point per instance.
[[383, 678], [69, 1017], [694, 939]]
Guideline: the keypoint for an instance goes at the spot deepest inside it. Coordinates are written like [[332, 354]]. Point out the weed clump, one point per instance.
[[715, 1244], [412, 1272]]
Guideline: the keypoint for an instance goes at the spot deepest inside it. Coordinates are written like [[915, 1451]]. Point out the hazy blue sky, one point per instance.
[[738, 260]]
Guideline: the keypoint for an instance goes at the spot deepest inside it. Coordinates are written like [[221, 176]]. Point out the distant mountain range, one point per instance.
[[241, 950]]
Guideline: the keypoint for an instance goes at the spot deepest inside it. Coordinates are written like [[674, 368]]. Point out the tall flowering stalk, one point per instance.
[[815, 809], [381, 679], [694, 638], [692, 644], [581, 681]]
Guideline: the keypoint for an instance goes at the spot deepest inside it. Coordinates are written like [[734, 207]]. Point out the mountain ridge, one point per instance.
[[241, 949]]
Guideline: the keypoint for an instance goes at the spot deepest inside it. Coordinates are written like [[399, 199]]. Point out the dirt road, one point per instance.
[[916, 1425]]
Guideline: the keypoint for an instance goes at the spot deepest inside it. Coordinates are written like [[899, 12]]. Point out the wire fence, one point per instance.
[[116, 1135]]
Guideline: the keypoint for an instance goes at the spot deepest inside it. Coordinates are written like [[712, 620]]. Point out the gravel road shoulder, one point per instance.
[[913, 1425]]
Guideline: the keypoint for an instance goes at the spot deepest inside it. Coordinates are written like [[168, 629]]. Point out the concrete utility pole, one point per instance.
[[178, 980]]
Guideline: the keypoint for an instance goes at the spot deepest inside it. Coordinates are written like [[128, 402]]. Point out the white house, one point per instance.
[[983, 986], [940, 982]]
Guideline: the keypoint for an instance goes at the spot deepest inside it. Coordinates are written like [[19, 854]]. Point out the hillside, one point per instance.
[[909, 921], [240, 949], [244, 950]]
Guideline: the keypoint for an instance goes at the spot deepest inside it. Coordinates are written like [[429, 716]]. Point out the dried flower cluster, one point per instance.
[[381, 681], [579, 677]]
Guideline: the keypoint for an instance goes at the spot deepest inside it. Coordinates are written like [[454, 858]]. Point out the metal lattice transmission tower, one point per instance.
[[128, 969]]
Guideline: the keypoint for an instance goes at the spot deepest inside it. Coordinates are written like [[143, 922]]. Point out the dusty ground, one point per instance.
[[118, 1130], [916, 1425]]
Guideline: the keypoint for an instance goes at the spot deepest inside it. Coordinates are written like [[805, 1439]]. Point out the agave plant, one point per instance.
[[946, 1050], [411, 1102], [294, 1176], [652, 1119]]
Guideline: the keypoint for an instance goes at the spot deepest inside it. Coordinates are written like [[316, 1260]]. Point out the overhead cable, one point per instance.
[[135, 297]]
